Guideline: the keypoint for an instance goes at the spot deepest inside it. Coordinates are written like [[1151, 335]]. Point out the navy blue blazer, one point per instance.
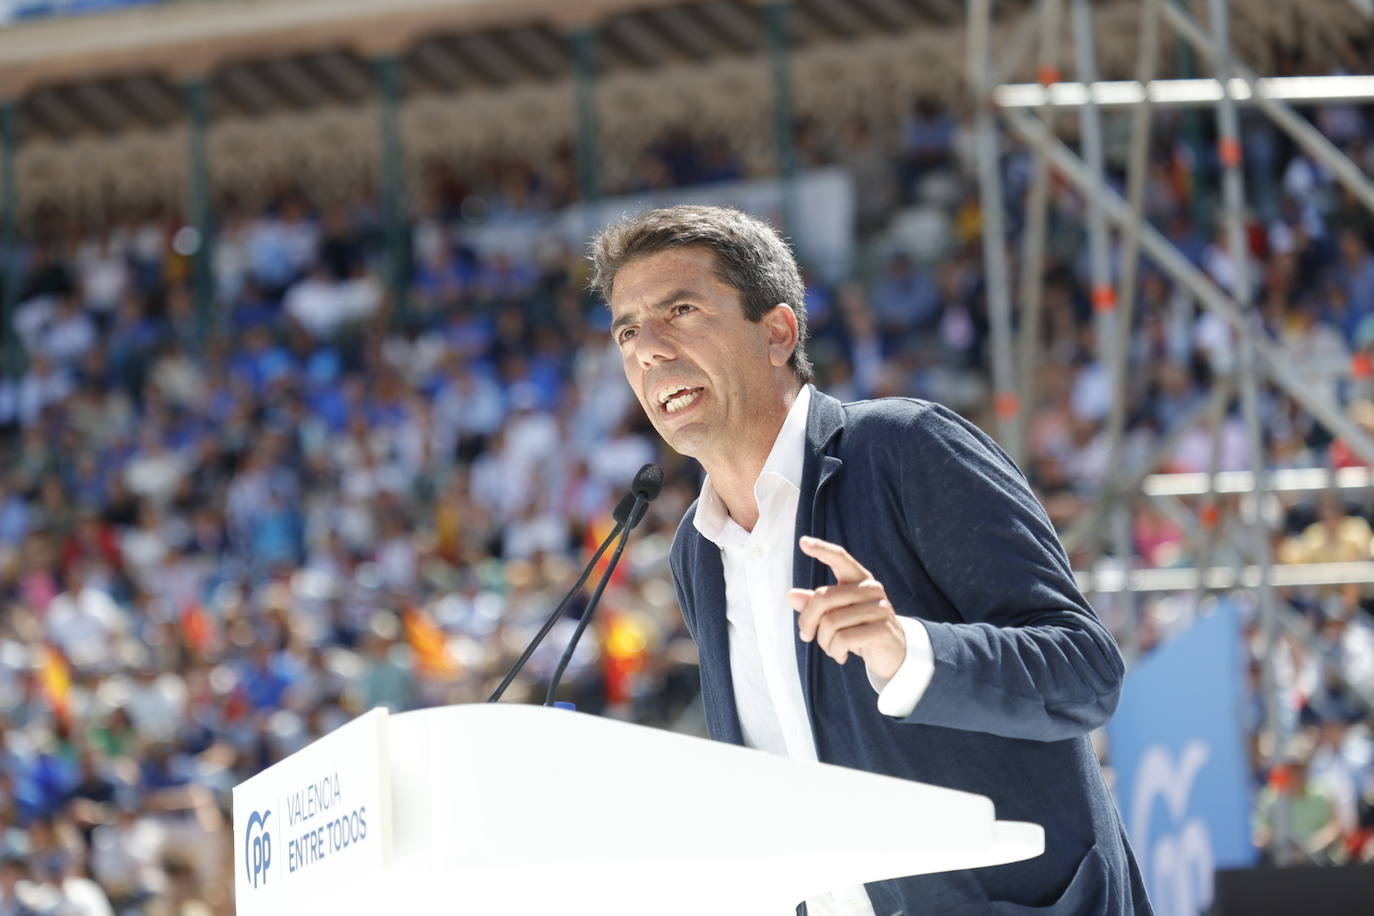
[[1023, 668]]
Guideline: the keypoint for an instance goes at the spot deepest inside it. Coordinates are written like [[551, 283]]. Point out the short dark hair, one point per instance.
[[751, 257]]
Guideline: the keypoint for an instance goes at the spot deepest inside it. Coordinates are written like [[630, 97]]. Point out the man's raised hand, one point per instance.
[[853, 615]]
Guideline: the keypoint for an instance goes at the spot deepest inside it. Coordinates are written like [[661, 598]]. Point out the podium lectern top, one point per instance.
[[511, 809]]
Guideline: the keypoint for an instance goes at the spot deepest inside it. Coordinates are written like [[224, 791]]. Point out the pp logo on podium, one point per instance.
[[257, 847]]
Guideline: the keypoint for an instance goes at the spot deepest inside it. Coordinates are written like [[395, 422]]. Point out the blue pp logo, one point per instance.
[[257, 848]]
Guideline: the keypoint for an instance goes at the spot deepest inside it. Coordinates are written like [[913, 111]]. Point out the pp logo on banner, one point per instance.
[[257, 847], [1178, 862]]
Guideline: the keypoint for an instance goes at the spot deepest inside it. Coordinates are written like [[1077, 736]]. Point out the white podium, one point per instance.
[[506, 809]]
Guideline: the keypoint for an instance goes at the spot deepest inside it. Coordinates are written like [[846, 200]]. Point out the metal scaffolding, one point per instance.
[[1242, 546]]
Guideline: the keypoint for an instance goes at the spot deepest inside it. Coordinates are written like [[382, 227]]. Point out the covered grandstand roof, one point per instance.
[[119, 71]]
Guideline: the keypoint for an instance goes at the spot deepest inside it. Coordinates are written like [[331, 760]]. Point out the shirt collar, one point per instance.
[[784, 462]]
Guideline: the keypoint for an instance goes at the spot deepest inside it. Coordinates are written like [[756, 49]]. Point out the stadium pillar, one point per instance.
[[9, 238], [197, 93], [388, 70], [583, 40], [780, 65]]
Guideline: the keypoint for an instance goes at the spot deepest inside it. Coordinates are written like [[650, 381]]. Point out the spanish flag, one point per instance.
[[55, 678], [596, 532], [430, 645]]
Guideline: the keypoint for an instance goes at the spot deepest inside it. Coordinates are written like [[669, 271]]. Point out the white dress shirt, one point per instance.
[[761, 624]]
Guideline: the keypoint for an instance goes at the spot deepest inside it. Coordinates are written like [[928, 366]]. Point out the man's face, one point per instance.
[[700, 369]]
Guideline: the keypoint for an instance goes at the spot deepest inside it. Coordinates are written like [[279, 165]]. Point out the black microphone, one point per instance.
[[622, 510], [627, 507], [648, 483]]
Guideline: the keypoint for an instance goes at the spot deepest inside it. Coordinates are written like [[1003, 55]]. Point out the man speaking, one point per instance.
[[872, 584]]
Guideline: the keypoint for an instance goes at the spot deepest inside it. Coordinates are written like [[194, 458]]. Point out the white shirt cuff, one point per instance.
[[898, 697]]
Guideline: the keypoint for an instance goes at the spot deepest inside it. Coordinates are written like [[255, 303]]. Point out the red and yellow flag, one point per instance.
[[429, 644], [55, 677]]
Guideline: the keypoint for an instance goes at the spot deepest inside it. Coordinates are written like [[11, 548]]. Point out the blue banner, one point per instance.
[[1177, 746]]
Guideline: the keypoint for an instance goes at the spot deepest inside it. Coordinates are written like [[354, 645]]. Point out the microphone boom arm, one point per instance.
[[553, 617], [591, 605]]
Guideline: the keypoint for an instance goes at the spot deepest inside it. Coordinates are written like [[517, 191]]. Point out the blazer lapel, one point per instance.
[[713, 642], [824, 422]]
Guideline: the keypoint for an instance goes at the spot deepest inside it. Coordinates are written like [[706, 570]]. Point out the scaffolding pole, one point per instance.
[[1286, 480], [1173, 263], [1254, 347], [1233, 207], [1087, 526], [1111, 327], [1209, 513], [1222, 578], [1134, 480], [1185, 93], [1246, 532], [1007, 404], [1227, 578], [1282, 114], [1012, 54], [1136, 168], [1175, 511], [1090, 126], [1138, 161], [1037, 223]]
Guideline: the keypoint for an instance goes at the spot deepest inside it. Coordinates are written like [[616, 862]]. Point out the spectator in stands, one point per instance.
[[1314, 828], [69, 336], [1336, 536], [126, 854], [906, 301], [386, 680], [14, 884], [1356, 276], [927, 142], [156, 486], [43, 385], [266, 678], [85, 622]]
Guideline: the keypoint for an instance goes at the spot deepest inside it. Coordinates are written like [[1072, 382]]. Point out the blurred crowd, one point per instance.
[[223, 534]]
